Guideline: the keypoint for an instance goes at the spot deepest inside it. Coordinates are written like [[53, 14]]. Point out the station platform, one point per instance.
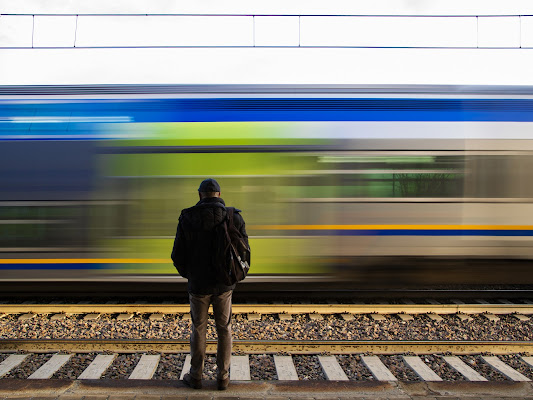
[[301, 390]]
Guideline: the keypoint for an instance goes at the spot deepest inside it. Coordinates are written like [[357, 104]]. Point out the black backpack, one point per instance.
[[233, 254]]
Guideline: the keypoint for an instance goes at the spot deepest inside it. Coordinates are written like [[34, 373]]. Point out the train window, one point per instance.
[[499, 176], [384, 176]]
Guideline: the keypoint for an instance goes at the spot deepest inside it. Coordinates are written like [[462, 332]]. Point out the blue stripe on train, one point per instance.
[[273, 109]]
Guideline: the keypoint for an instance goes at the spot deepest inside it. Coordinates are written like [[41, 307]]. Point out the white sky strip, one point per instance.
[[246, 7], [70, 31], [16, 30], [98, 31], [526, 31], [276, 31], [267, 66], [54, 31], [389, 31], [499, 31]]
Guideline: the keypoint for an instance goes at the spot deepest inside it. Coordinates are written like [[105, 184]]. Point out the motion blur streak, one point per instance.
[[403, 185]]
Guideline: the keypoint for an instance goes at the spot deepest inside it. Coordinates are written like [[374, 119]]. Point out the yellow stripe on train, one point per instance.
[[390, 227]]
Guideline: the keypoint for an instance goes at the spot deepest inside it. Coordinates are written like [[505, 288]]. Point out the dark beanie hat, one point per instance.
[[209, 185]]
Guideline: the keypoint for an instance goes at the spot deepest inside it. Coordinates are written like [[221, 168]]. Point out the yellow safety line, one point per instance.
[[378, 227], [84, 261]]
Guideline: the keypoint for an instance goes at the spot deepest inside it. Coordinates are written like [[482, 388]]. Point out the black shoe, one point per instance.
[[222, 384], [191, 382]]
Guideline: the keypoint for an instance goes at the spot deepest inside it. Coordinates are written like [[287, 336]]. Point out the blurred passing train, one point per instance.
[[360, 185]]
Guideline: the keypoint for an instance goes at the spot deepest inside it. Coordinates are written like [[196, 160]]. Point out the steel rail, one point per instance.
[[262, 347], [272, 308]]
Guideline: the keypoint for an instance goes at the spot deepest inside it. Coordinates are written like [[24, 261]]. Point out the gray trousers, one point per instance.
[[222, 311]]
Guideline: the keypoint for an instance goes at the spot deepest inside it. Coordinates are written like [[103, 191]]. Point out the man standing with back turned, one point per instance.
[[193, 256]]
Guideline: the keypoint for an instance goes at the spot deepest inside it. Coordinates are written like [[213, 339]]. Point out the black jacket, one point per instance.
[[193, 247]]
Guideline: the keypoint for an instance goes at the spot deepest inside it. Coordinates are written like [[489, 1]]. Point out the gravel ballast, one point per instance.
[[441, 368], [399, 368], [354, 368], [308, 368], [122, 366], [481, 367], [170, 366], [271, 327], [262, 367], [75, 366]]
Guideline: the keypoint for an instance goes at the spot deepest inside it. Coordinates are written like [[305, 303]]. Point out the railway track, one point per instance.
[[325, 361], [271, 346], [378, 360], [436, 308]]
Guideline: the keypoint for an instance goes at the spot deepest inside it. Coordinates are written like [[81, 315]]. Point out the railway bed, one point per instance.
[[141, 349], [309, 375]]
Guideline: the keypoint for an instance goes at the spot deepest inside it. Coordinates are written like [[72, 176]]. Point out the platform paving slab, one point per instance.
[[124, 317], [11, 362], [51, 366], [405, 317], [240, 368], [491, 317], [332, 369], [91, 317], [378, 369], [316, 317], [505, 369], [97, 367], [464, 317], [254, 317], [458, 364], [146, 367], [520, 317], [186, 366], [528, 360], [285, 368], [25, 317], [347, 317], [435, 317], [421, 369], [318, 390]]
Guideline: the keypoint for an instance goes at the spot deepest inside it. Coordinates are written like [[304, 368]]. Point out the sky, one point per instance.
[[266, 42]]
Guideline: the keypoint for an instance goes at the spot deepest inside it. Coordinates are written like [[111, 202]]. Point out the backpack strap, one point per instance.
[[230, 211]]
